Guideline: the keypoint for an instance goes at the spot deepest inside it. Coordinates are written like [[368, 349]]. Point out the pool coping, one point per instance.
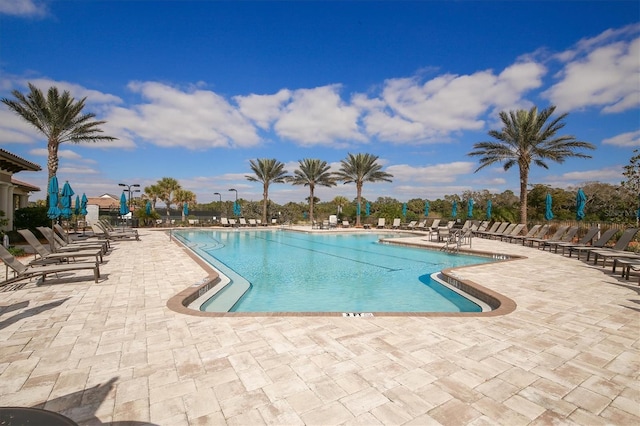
[[500, 304]]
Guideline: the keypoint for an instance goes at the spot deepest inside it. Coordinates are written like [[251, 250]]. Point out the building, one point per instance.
[[14, 194]]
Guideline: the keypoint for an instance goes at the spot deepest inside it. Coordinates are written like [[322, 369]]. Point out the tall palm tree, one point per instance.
[[153, 192], [58, 117], [181, 196], [168, 186], [361, 168], [312, 172], [267, 171], [526, 137]]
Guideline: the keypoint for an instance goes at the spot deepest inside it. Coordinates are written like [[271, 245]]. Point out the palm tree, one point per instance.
[[153, 192], [181, 196], [58, 117], [267, 171], [312, 172], [361, 168], [167, 187], [527, 138]]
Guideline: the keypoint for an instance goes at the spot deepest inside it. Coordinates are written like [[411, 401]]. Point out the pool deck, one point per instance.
[[113, 352]]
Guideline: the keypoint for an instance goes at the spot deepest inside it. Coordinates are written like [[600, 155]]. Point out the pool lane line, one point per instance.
[[330, 254], [369, 252]]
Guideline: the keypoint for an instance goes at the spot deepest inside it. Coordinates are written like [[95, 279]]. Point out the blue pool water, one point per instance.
[[298, 272]]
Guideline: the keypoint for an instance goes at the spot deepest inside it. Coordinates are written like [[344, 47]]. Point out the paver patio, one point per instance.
[[113, 352]]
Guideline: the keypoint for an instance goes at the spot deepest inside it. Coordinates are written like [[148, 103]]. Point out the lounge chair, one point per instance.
[[499, 231], [434, 225], [542, 232], [252, 222], [598, 244], [410, 225], [530, 234], [628, 264], [584, 241], [494, 228], [224, 221], [380, 224], [396, 223], [506, 236], [420, 225], [98, 229], [345, 224], [22, 271], [538, 241], [618, 250], [113, 230], [60, 245], [47, 256], [567, 237], [333, 221], [242, 221]]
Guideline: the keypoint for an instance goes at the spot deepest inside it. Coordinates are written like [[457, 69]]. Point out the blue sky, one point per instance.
[[196, 89]]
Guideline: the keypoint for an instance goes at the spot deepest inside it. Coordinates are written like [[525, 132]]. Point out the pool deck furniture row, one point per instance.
[[113, 351]]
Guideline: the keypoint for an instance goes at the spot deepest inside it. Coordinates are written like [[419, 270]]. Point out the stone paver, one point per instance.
[[114, 352]]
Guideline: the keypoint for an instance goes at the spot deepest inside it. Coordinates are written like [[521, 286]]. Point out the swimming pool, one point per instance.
[[289, 271]]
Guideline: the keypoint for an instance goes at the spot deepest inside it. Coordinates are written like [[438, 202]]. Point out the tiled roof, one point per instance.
[[24, 185], [13, 164]]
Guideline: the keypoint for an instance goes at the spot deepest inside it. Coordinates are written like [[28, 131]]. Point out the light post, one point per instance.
[[129, 190], [219, 195]]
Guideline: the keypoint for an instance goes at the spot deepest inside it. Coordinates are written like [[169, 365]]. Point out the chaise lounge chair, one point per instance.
[[538, 241], [582, 242], [60, 245], [598, 244], [542, 232], [380, 224], [567, 237], [618, 250], [22, 271], [98, 229], [506, 236], [396, 223], [47, 256]]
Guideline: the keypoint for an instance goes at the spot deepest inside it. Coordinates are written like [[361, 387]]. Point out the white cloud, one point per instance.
[[66, 154], [411, 111], [195, 119], [601, 71], [318, 117], [76, 170], [263, 109], [443, 173], [94, 97], [24, 8], [629, 139]]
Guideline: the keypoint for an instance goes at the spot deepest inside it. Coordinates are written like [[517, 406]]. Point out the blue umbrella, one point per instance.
[[581, 201], [65, 200], [489, 205], [76, 209], [53, 212], [236, 209], [358, 210], [454, 209], [426, 208], [124, 209], [367, 208], [147, 208], [548, 214], [470, 208], [185, 209], [404, 210], [83, 205]]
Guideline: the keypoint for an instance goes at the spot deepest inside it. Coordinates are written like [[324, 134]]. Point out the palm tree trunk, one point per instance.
[[524, 178], [265, 198], [311, 204], [52, 160], [358, 199]]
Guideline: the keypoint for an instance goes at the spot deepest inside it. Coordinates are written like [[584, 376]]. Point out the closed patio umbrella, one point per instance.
[[548, 214], [147, 208], [581, 201], [426, 208], [185, 209], [358, 210], [404, 210], [237, 211], [367, 209], [124, 209], [65, 200], [489, 206], [454, 209], [470, 208], [54, 211], [83, 205], [76, 208]]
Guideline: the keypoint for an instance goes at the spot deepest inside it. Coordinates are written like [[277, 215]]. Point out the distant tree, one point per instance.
[[526, 137], [58, 117], [152, 193], [167, 187], [312, 172], [181, 196], [361, 168], [267, 171]]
